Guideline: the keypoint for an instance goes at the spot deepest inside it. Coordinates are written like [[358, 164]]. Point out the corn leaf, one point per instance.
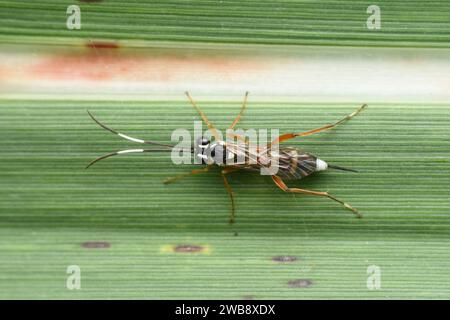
[[134, 237]]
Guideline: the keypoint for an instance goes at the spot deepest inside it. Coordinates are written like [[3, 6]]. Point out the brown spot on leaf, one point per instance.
[[102, 45], [188, 248], [284, 259], [248, 297], [300, 283], [96, 245]]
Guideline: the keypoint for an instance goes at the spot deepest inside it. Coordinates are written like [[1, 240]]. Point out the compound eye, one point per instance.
[[202, 141]]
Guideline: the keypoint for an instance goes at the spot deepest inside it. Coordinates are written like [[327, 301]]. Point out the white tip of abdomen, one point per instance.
[[321, 165]]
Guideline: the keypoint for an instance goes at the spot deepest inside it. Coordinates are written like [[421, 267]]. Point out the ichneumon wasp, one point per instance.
[[293, 163]]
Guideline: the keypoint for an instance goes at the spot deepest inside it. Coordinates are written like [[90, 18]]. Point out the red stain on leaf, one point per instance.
[[4, 73], [101, 65], [94, 65]]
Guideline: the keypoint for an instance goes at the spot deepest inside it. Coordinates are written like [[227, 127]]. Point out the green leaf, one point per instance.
[[330, 22], [52, 211], [134, 237]]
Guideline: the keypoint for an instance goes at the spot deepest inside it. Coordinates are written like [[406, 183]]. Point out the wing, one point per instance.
[[293, 163]]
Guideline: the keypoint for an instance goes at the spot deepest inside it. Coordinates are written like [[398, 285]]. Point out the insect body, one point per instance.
[[292, 163]]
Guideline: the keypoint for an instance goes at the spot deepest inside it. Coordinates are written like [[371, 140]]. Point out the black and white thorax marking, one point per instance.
[[216, 153]]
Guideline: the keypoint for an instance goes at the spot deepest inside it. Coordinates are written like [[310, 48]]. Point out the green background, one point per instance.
[[51, 206], [53, 212], [287, 22]]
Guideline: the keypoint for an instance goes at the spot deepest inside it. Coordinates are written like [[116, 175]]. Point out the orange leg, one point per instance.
[[288, 136], [237, 119], [230, 191], [280, 183], [244, 105], [204, 118], [184, 175]]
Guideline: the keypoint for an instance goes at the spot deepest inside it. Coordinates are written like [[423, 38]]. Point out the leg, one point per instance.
[[236, 120], [244, 105], [204, 118], [230, 191], [181, 176], [288, 136], [285, 188]]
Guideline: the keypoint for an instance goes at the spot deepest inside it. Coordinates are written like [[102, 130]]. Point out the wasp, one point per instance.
[[292, 163]]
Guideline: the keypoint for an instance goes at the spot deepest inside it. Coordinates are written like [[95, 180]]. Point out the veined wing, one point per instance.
[[241, 154], [292, 163]]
